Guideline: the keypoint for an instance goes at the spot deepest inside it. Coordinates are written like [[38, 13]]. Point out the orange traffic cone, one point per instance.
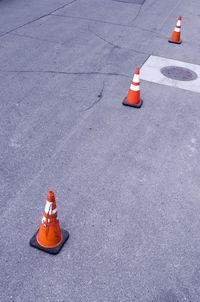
[[176, 35], [133, 97], [50, 238]]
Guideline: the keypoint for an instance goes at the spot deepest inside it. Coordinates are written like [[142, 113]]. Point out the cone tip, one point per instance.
[[51, 195], [137, 71], [180, 18]]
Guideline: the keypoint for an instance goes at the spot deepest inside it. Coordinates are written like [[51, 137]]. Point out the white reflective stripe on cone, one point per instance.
[[44, 219], [54, 211], [177, 29], [178, 23], [136, 78], [135, 87], [48, 207]]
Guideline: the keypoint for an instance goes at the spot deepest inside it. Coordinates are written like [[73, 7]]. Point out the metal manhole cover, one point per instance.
[[178, 73], [131, 1]]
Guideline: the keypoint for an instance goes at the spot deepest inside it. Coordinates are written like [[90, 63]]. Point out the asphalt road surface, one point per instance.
[[127, 181]]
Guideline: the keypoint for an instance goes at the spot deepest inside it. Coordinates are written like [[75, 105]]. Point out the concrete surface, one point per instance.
[[150, 71], [127, 181]]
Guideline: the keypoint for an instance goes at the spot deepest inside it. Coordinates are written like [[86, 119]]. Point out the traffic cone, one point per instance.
[[176, 35], [133, 97], [50, 237]]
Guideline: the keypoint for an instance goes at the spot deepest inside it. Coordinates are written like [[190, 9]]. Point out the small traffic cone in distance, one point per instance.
[[133, 98], [50, 237], [176, 35]]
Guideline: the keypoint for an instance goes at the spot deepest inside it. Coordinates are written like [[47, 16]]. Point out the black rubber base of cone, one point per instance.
[[135, 106], [171, 41], [33, 242]]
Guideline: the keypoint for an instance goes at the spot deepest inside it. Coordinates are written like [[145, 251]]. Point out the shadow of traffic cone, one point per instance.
[[133, 97], [50, 238], [176, 35]]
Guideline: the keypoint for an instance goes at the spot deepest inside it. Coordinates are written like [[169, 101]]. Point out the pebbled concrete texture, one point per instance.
[[126, 180]]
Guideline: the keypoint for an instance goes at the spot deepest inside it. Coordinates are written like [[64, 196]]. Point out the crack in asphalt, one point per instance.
[[36, 19], [101, 38], [112, 23], [163, 23], [90, 19], [100, 96], [35, 38], [67, 73], [138, 13], [115, 45]]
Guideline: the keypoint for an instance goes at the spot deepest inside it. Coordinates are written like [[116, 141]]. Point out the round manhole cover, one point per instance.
[[178, 73]]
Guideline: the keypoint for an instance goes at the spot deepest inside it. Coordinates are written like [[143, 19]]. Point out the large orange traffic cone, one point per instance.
[[133, 97], [50, 238], [176, 35]]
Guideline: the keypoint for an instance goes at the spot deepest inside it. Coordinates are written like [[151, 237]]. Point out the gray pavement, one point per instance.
[[127, 181]]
